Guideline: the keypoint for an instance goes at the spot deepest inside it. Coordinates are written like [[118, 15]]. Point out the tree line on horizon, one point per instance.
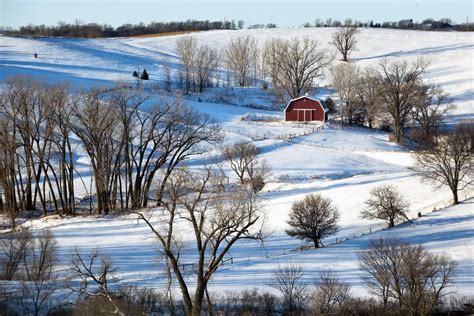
[[428, 24], [78, 29]]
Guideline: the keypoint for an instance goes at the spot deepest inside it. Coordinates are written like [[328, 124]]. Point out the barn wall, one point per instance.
[[292, 114]]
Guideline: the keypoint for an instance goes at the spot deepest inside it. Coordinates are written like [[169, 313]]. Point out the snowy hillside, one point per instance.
[[341, 164], [128, 244], [101, 61]]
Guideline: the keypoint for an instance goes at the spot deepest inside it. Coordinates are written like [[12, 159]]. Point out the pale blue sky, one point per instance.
[[284, 13]]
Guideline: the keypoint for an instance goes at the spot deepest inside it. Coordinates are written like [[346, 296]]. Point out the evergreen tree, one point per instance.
[[144, 75]]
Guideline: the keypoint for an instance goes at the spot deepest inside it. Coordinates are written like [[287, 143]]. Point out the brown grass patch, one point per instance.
[[164, 34]]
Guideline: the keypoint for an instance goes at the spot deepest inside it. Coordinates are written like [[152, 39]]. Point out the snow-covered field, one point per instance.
[[101, 61], [342, 164]]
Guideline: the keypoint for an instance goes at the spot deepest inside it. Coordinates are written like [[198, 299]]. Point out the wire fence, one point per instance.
[[256, 135], [339, 239], [351, 149]]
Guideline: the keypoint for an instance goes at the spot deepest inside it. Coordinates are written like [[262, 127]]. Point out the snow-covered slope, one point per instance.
[[342, 164], [101, 61], [130, 246]]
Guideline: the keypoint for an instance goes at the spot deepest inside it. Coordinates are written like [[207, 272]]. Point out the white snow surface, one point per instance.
[[103, 61], [342, 164]]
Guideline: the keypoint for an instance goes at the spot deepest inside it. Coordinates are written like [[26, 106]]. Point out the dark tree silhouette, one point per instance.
[[313, 218]]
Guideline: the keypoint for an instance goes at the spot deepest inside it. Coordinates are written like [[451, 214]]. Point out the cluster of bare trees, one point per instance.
[[36, 159], [295, 64], [31, 262], [43, 129], [392, 93], [403, 278], [408, 274], [200, 61], [80, 29], [292, 65]]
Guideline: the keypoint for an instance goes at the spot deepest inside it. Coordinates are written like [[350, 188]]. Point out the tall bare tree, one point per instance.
[[346, 79], [9, 203], [368, 97], [217, 219], [207, 60], [344, 39], [295, 64], [451, 161], [399, 84], [95, 123], [61, 110], [186, 48], [241, 55]]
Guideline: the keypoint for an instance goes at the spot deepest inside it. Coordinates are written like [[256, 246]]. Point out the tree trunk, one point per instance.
[[455, 196], [391, 223]]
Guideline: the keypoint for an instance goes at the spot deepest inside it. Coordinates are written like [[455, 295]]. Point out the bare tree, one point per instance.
[[95, 123], [186, 48], [330, 293], [9, 204], [288, 280], [207, 60], [399, 84], [295, 64], [428, 112], [368, 97], [241, 158], [374, 263], [450, 162], [345, 78], [94, 271], [41, 279], [18, 106], [408, 274], [218, 219], [241, 55], [313, 218], [387, 204], [34, 139], [61, 110], [13, 247], [344, 39]]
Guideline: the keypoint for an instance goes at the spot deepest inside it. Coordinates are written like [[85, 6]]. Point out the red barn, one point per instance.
[[306, 109]]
